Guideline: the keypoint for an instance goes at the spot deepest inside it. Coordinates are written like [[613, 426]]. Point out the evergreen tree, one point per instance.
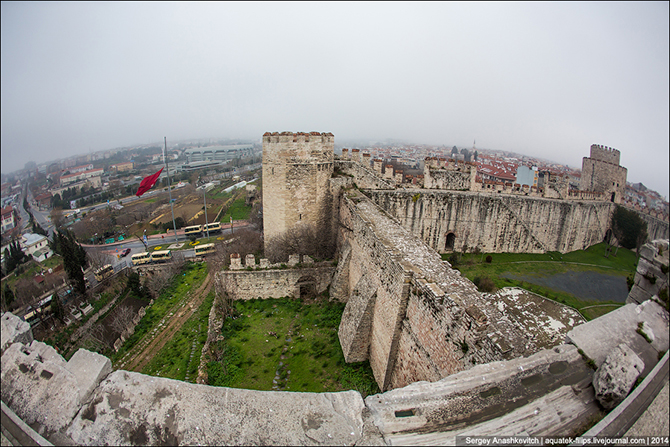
[[74, 258], [14, 255], [57, 308], [7, 297], [629, 228]]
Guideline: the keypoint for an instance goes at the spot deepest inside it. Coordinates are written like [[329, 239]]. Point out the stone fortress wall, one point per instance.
[[451, 211], [297, 168], [414, 317], [462, 221]]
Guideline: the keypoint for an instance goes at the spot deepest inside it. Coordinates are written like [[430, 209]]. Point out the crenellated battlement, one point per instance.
[[605, 153]]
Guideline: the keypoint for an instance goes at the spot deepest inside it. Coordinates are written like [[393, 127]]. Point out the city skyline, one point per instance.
[[542, 80]]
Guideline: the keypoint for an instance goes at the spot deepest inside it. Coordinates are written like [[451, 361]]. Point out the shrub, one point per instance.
[[484, 284], [489, 258], [454, 259]]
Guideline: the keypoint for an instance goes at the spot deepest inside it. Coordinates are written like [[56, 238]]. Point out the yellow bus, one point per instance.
[[32, 317], [104, 272], [214, 227], [204, 249], [193, 230], [141, 258], [161, 256]]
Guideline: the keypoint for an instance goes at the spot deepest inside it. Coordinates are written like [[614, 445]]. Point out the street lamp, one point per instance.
[[204, 196]]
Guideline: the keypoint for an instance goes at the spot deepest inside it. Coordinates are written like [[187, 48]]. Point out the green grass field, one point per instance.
[[542, 265], [289, 342], [238, 210]]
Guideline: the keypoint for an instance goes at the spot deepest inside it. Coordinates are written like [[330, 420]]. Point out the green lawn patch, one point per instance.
[[238, 209], [289, 345]]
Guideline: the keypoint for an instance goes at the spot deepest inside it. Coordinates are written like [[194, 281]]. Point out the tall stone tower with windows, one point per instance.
[[602, 173], [297, 168]]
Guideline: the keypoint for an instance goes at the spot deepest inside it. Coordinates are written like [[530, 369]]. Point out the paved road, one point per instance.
[[136, 246]]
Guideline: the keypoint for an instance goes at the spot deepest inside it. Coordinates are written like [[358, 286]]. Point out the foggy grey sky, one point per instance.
[[542, 79]]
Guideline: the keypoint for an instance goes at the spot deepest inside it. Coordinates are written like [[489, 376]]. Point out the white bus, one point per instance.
[[141, 258], [214, 227], [104, 272], [204, 249], [193, 230], [161, 256]]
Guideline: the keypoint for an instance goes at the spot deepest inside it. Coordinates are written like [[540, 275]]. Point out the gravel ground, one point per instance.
[[584, 285]]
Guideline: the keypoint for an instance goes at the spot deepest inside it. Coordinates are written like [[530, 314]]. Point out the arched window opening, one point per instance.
[[451, 241]]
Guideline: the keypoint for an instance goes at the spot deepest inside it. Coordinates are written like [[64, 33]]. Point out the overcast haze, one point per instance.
[[545, 80]]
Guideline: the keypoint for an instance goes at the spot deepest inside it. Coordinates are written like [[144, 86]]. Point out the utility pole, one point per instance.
[[174, 225], [204, 195]]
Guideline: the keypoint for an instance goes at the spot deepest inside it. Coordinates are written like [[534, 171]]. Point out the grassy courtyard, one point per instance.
[[286, 344]]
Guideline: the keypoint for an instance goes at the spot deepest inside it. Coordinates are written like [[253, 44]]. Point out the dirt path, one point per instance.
[[138, 357]]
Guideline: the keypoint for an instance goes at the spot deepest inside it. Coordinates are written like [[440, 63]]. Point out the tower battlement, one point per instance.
[[299, 147], [605, 153]]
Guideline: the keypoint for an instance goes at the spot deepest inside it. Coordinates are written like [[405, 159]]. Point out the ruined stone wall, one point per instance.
[[495, 222], [651, 276], [276, 283], [408, 313], [297, 168], [377, 290]]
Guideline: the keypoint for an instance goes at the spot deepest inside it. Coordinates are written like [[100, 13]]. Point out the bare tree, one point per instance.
[[155, 282], [223, 299], [123, 319], [300, 240], [99, 258], [27, 291], [57, 217], [245, 241], [177, 264], [94, 339]]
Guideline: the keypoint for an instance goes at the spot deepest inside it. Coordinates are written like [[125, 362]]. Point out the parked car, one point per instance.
[[125, 252]]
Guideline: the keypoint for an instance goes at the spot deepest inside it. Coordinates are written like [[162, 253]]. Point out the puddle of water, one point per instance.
[[584, 285]]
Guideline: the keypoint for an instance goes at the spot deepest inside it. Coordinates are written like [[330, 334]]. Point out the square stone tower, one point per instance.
[[601, 173], [297, 168]]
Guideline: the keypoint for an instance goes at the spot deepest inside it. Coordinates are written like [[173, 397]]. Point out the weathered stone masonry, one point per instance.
[[495, 222], [411, 315], [297, 168], [276, 283]]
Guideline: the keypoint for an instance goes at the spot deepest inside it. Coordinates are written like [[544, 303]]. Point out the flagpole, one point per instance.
[[174, 225]]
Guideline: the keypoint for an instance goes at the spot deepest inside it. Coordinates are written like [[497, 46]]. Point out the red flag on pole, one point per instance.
[[148, 183]]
